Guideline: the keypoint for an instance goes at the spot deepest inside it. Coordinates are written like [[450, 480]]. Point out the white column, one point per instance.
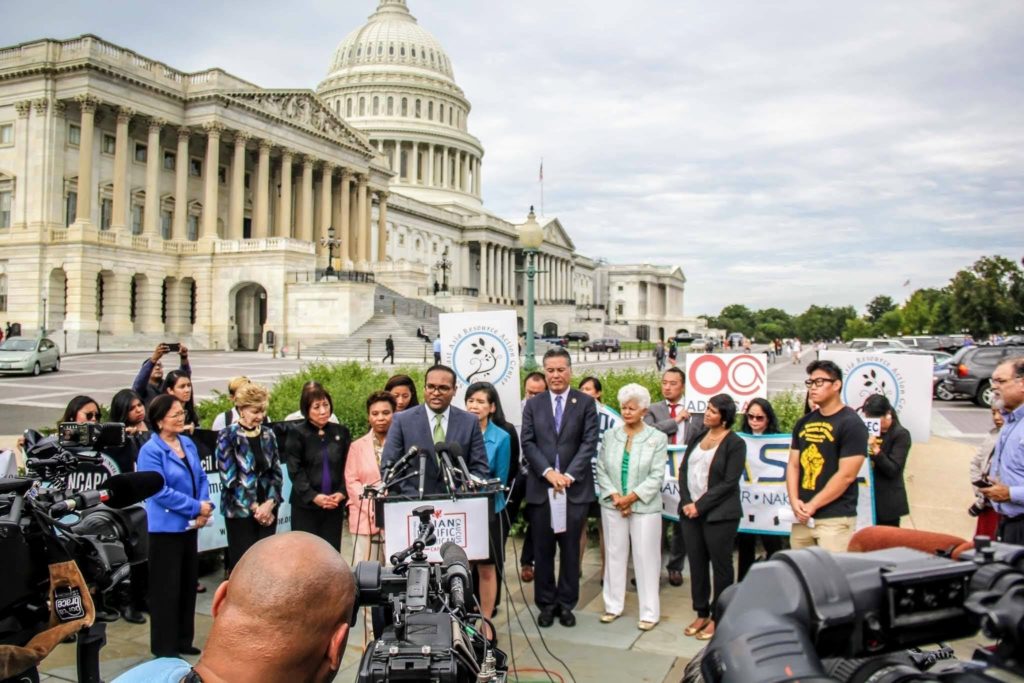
[[119, 217], [211, 198], [346, 251], [512, 275], [306, 224], [364, 224], [484, 285], [464, 268], [382, 226], [151, 215], [261, 221], [180, 226], [413, 163], [431, 182], [284, 209], [83, 205], [236, 212], [326, 209]]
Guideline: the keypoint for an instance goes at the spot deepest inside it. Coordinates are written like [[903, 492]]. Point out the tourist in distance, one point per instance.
[[148, 384]]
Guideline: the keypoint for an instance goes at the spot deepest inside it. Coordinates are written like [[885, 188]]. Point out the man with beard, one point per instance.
[[1007, 491]]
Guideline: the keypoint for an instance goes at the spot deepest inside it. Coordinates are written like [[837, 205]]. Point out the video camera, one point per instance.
[[431, 637], [813, 616], [105, 536]]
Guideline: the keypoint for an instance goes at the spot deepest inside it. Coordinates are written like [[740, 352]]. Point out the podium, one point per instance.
[[463, 520]]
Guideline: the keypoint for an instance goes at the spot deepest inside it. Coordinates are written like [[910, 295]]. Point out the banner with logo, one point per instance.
[[214, 535], [742, 376], [904, 378], [483, 347], [763, 486], [464, 522]]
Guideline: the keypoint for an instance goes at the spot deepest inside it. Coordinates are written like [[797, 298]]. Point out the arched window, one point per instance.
[[376, 105], [3, 292], [391, 50], [391, 106], [405, 106], [419, 108], [403, 50], [430, 111], [348, 108], [380, 50], [414, 53], [337, 107], [362, 106], [451, 119]]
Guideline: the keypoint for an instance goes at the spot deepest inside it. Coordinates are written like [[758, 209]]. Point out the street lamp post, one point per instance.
[[444, 265], [42, 323], [531, 237], [330, 242]]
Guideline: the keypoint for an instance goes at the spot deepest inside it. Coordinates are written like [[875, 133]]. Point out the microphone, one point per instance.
[[401, 462], [118, 491], [444, 463], [456, 450], [423, 471], [455, 564]]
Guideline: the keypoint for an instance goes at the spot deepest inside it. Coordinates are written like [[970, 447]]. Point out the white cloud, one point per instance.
[[782, 153]]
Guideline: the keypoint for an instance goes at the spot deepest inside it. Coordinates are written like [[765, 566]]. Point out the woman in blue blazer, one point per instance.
[[174, 515], [250, 473]]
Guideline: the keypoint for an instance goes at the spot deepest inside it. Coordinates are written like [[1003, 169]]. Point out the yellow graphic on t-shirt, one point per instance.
[[811, 464]]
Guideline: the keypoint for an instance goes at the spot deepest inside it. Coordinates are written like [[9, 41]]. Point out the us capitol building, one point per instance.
[[140, 203]]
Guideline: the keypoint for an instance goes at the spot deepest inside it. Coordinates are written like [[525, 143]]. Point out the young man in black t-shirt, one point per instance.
[[828, 449]]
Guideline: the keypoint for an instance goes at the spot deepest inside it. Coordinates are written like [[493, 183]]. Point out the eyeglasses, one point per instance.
[[92, 415], [757, 418], [175, 416], [437, 388], [818, 382]]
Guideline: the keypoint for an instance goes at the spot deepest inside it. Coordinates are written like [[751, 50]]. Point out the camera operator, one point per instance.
[[174, 516], [151, 375], [282, 616]]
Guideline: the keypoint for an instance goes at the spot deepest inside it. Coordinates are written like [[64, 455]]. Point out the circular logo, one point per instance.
[[872, 377], [481, 356], [740, 376]]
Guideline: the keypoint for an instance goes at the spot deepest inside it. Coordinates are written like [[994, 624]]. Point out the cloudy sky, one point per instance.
[[782, 153]]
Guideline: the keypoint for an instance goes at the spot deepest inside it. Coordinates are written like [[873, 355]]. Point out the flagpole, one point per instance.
[[542, 186]]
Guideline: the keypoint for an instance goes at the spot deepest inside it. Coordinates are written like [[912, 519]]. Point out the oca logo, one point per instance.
[[739, 375]]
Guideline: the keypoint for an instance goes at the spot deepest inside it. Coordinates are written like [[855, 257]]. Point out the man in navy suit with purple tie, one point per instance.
[[559, 439]]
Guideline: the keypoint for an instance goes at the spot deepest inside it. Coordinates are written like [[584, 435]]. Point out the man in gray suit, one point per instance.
[[433, 422], [670, 417]]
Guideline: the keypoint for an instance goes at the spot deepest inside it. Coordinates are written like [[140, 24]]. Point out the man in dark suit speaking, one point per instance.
[[559, 441], [434, 422]]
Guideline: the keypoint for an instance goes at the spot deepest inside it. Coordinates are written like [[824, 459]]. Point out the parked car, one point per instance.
[[555, 341], [921, 342], [577, 336], [23, 354], [602, 345], [698, 345], [970, 371], [684, 337], [735, 339], [875, 344]]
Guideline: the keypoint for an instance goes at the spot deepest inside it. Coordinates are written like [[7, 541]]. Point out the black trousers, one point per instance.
[[243, 533], [1011, 530], [323, 523], [676, 545], [173, 573], [390, 354], [708, 542], [746, 544], [887, 522], [566, 593]]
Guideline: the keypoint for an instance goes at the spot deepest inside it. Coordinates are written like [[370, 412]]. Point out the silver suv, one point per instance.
[[874, 344]]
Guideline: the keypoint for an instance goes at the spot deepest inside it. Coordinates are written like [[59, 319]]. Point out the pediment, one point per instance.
[[556, 234], [303, 109]]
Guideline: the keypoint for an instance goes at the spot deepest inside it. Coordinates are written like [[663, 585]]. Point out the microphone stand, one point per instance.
[[423, 472], [446, 469]]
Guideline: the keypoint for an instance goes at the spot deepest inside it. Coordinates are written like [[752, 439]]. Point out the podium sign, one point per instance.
[[463, 521]]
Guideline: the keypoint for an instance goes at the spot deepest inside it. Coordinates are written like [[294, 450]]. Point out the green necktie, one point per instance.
[[438, 429]]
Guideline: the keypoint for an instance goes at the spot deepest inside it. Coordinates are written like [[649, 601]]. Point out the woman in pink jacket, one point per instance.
[[363, 469]]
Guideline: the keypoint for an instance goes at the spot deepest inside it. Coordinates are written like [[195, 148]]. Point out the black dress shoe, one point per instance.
[[546, 618], [107, 615], [190, 650], [567, 619], [133, 616], [675, 577]]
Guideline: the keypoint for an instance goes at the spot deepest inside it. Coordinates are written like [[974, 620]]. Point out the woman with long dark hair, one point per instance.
[[403, 388], [759, 420], [709, 508], [174, 516], [81, 409], [178, 384], [888, 455]]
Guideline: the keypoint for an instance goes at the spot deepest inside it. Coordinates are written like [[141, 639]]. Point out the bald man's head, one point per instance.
[[289, 599]]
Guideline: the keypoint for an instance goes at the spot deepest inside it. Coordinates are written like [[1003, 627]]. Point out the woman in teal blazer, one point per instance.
[[630, 474]]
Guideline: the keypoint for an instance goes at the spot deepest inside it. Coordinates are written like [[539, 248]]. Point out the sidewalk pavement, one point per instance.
[[937, 483]]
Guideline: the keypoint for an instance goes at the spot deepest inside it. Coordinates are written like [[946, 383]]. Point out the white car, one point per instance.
[[27, 355], [876, 344]]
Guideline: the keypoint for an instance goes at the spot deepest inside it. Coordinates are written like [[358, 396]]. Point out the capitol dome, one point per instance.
[[392, 80]]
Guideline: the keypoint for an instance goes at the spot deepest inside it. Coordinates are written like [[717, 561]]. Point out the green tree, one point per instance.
[[879, 306], [857, 327], [921, 313], [988, 297], [890, 324]]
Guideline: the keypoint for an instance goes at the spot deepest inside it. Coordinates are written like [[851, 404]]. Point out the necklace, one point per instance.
[[249, 431]]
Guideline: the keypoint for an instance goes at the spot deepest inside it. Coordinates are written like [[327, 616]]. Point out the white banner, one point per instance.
[[763, 486], [214, 535], [463, 521], [483, 347], [742, 376], [904, 378]]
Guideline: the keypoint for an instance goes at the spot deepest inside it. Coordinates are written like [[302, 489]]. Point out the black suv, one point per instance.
[[971, 368]]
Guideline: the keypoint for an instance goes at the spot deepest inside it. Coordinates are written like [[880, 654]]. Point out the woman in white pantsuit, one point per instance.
[[630, 473]]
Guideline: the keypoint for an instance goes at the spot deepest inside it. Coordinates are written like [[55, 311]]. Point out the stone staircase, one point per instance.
[[393, 314]]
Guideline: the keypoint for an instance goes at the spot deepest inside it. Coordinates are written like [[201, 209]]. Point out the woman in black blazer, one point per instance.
[[888, 458], [709, 508], [316, 451]]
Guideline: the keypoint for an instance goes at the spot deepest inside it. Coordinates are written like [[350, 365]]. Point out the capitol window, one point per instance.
[[6, 199], [74, 134], [403, 50], [195, 167], [430, 110], [169, 159], [109, 144], [391, 50], [3, 292], [348, 108], [405, 106], [362, 106], [391, 106], [376, 105], [419, 109], [7, 134], [140, 152]]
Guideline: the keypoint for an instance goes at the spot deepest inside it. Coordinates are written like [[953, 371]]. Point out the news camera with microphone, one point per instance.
[[432, 636]]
